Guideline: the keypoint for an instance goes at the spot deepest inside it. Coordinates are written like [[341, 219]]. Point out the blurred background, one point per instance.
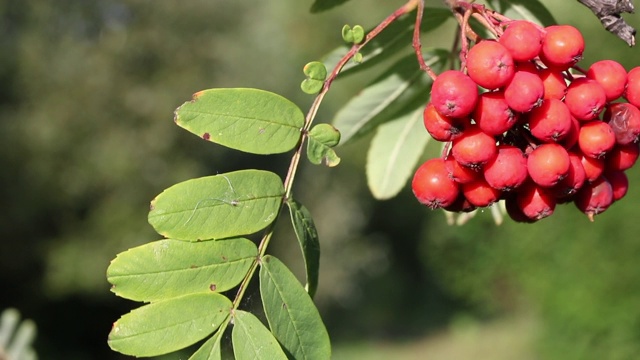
[[88, 139]]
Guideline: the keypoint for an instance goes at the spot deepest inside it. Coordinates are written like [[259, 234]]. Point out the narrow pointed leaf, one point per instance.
[[292, 316], [213, 207], [211, 349], [389, 42], [532, 10], [322, 139], [249, 120], [169, 325], [170, 268], [307, 235], [395, 93], [393, 154], [252, 340]]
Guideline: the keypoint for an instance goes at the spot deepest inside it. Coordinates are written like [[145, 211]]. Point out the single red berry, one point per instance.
[[596, 138], [548, 164], [524, 92], [624, 119], [535, 202], [593, 167], [572, 137], [595, 197], [585, 99], [551, 121], [490, 64], [523, 39], [460, 174], [611, 75], [574, 180], [454, 94], [622, 157], [507, 170], [432, 185], [562, 46], [493, 115], [442, 128], [555, 86], [619, 183], [474, 147], [480, 194], [632, 92], [514, 211]]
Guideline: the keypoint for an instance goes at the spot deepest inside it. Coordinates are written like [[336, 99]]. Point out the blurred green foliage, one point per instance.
[[86, 108]]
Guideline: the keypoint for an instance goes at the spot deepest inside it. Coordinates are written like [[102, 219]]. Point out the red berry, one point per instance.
[[594, 198], [454, 94], [442, 128], [523, 39], [535, 202], [460, 174], [585, 99], [474, 147], [632, 92], [432, 185], [479, 193], [490, 64], [562, 46], [514, 211], [507, 170], [596, 138], [576, 177], [548, 164], [619, 183], [593, 167], [622, 157], [493, 115], [524, 92], [555, 86], [572, 137], [624, 119], [551, 121], [460, 205], [611, 76]]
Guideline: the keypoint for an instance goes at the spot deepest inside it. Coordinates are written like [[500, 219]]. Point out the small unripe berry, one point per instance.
[[523, 39], [454, 94], [562, 46], [548, 164], [596, 138], [585, 99], [611, 76], [474, 147], [432, 185], [490, 64]]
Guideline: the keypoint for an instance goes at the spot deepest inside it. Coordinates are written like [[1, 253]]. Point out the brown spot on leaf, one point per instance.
[[212, 287], [193, 267], [198, 94], [206, 136], [224, 258], [261, 131]]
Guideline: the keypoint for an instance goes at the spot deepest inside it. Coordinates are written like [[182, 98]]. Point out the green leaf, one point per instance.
[[324, 5], [249, 120], [169, 325], [307, 235], [390, 42], [396, 92], [292, 316], [322, 138], [393, 154], [170, 268], [347, 34], [532, 10], [358, 34], [252, 340], [214, 207], [211, 349]]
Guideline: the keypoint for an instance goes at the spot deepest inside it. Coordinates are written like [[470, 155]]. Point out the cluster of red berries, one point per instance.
[[520, 126]]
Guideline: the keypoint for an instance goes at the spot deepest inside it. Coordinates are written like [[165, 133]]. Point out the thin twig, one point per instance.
[[417, 45]]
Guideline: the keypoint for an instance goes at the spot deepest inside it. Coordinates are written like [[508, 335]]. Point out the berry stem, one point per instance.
[[417, 45]]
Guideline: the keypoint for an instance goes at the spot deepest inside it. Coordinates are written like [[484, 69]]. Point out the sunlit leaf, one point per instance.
[[307, 235], [397, 36], [211, 349], [393, 154], [252, 340], [396, 92], [220, 206], [322, 138], [292, 316], [532, 10], [169, 268], [169, 325], [324, 5], [250, 120]]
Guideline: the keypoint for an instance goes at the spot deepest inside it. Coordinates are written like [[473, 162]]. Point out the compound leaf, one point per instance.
[[393, 154], [307, 235], [220, 206], [292, 316], [211, 349], [252, 340], [169, 268], [396, 92], [249, 120], [532, 10], [322, 138], [169, 325]]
